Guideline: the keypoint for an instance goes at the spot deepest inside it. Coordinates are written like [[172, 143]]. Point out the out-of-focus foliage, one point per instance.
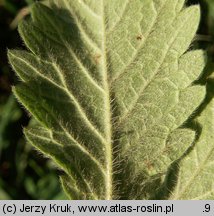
[[13, 6], [24, 173], [20, 166], [209, 4], [210, 13]]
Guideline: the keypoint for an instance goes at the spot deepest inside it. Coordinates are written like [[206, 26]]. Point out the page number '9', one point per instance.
[[207, 208]]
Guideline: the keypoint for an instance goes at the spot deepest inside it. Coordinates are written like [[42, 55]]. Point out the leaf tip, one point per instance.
[[196, 11]]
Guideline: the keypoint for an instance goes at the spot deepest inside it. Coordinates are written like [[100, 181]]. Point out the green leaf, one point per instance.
[[196, 170], [111, 84], [9, 113]]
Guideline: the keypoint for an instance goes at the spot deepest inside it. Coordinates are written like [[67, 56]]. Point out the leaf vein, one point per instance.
[[84, 116], [195, 174], [152, 78], [81, 28], [135, 53], [124, 9], [73, 54], [89, 9]]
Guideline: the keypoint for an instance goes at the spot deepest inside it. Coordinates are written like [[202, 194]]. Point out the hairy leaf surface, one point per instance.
[[195, 179], [110, 83]]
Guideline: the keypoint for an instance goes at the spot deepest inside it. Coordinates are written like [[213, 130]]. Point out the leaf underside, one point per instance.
[[195, 177], [110, 84]]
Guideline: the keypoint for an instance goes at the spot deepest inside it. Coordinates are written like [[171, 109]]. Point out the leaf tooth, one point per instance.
[[59, 43], [67, 159], [192, 63], [180, 5], [41, 111], [40, 12], [189, 100], [72, 53], [29, 67], [76, 103]]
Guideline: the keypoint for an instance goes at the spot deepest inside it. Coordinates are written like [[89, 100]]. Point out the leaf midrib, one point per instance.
[[107, 139], [107, 101]]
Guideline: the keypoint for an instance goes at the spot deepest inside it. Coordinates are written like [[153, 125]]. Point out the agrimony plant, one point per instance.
[[111, 85]]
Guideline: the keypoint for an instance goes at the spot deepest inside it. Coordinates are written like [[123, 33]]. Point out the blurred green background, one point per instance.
[[25, 173]]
